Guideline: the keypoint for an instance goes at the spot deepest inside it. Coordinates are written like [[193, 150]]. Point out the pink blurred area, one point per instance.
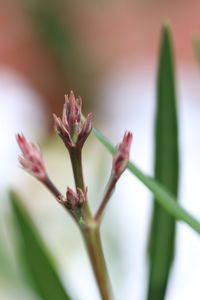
[[22, 51], [116, 31], [112, 32]]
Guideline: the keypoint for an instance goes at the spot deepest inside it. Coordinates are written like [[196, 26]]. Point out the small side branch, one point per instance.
[[107, 196], [120, 161], [53, 189], [56, 193]]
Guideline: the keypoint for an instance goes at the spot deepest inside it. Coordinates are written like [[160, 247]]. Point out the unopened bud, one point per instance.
[[121, 158], [72, 199], [81, 196], [31, 159], [71, 128], [75, 200]]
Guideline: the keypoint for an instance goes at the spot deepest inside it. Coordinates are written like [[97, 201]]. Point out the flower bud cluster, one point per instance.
[[75, 200], [74, 132], [121, 158], [71, 128], [31, 158]]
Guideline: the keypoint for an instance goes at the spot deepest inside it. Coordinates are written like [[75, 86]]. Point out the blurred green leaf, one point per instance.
[[53, 25], [197, 49], [58, 36], [45, 279], [162, 235], [6, 267], [161, 194]]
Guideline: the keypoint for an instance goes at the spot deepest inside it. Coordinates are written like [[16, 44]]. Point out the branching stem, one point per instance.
[[108, 194], [90, 231]]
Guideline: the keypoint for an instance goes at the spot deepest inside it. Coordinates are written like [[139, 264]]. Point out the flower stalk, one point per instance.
[[120, 161], [74, 131], [94, 247], [76, 161], [90, 232]]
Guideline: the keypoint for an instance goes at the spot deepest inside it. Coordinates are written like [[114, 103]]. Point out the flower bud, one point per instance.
[[75, 200], [72, 199], [71, 128], [121, 158], [31, 159]]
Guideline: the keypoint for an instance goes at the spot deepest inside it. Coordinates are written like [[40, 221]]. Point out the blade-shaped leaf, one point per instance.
[[7, 271], [197, 50], [161, 194], [162, 235], [44, 277]]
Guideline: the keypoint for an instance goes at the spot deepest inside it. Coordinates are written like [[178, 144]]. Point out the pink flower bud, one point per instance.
[[72, 199], [31, 159], [85, 131], [71, 128], [121, 158], [73, 108], [81, 196], [75, 200]]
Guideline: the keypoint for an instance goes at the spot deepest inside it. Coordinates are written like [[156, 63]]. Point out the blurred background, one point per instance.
[[107, 52]]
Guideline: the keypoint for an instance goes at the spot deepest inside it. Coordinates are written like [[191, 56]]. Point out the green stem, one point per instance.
[[76, 160], [90, 230], [108, 194], [95, 252]]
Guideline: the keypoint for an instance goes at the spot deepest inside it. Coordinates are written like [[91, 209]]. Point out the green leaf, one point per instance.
[[6, 271], [60, 38], [162, 235], [161, 194], [42, 272], [197, 49]]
